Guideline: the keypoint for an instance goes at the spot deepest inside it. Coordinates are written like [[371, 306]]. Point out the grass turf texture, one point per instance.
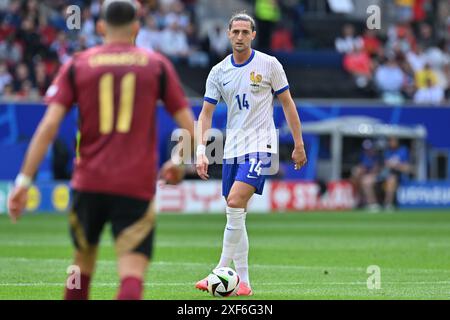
[[292, 256]]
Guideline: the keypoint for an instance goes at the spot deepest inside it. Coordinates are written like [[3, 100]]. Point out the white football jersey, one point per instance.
[[248, 90]]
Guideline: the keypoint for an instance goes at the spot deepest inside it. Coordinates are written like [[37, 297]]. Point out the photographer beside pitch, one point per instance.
[[247, 81], [117, 86]]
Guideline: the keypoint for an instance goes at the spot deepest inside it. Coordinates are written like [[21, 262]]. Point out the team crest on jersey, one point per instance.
[[256, 80]]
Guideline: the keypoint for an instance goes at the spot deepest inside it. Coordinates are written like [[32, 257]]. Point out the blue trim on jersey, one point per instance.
[[245, 63], [282, 90], [210, 100]]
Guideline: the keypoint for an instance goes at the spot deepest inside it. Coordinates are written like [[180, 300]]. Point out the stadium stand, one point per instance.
[[34, 41]]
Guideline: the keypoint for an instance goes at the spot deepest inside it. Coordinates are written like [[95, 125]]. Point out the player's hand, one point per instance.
[[16, 203], [172, 173], [299, 157], [202, 167]]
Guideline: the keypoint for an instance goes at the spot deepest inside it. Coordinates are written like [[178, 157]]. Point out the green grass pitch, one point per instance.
[[292, 256]]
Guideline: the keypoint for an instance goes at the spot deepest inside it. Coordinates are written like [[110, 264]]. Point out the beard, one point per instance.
[[240, 48]]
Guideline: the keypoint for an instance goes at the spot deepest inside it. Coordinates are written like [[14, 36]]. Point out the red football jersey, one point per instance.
[[117, 87]]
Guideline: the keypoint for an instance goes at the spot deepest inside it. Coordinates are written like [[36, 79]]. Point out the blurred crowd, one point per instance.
[[35, 39], [407, 61], [411, 61]]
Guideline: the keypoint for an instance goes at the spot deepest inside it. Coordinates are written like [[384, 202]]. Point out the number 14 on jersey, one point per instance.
[[242, 103]]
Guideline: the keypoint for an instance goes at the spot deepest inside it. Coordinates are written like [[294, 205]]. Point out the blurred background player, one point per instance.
[[365, 174], [395, 167], [116, 86], [247, 81]]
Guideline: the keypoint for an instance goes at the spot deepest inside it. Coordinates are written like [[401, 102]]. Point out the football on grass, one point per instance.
[[223, 282]]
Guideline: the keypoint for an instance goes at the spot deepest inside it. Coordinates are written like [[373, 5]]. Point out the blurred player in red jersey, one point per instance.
[[116, 86]]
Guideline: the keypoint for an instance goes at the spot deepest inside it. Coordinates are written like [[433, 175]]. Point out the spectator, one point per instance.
[[42, 80], [57, 17], [425, 75], [416, 58], [267, 15], [401, 39], [446, 73], [22, 74], [431, 94], [372, 45], [88, 29], [390, 79], [160, 17], [27, 91], [439, 59], [282, 40], [12, 15], [5, 77], [177, 14], [218, 42], [419, 11], [348, 42], [31, 41], [10, 51], [61, 47], [198, 55], [174, 43], [364, 175], [6, 30], [149, 37], [47, 32], [358, 64], [166, 5], [81, 44], [95, 8], [8, 93], [425, 37], [193, 41], [404, 10]]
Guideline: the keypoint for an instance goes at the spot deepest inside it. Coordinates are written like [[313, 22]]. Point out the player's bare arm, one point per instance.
[[43, 137], [204, 124], [293, 120]]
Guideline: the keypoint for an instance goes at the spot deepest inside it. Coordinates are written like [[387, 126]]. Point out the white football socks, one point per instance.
[[241, 257], [232, 235]]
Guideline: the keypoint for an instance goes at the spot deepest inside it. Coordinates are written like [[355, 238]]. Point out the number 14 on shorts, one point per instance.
[[255, 166]]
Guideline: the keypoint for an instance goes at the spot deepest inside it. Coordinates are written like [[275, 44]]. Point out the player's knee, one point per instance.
[[234, 201], [85, 260], [391, 182], [132, 264], [367, 182]]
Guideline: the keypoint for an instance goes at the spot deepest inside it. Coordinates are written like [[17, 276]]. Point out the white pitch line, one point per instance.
[[201, 244], [66, 243], [176, 284], [208, 265]]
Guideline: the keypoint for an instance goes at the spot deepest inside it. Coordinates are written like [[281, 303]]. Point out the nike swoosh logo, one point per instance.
[[251, 177], [225, 83]]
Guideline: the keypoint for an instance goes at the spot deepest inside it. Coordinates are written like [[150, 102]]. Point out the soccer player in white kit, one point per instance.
[[247, 80]]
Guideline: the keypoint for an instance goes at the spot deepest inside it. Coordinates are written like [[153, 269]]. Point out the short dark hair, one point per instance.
[[242, 16], [119, 12]]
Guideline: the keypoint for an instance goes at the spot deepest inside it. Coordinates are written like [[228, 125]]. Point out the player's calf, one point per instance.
[[132, 267]]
